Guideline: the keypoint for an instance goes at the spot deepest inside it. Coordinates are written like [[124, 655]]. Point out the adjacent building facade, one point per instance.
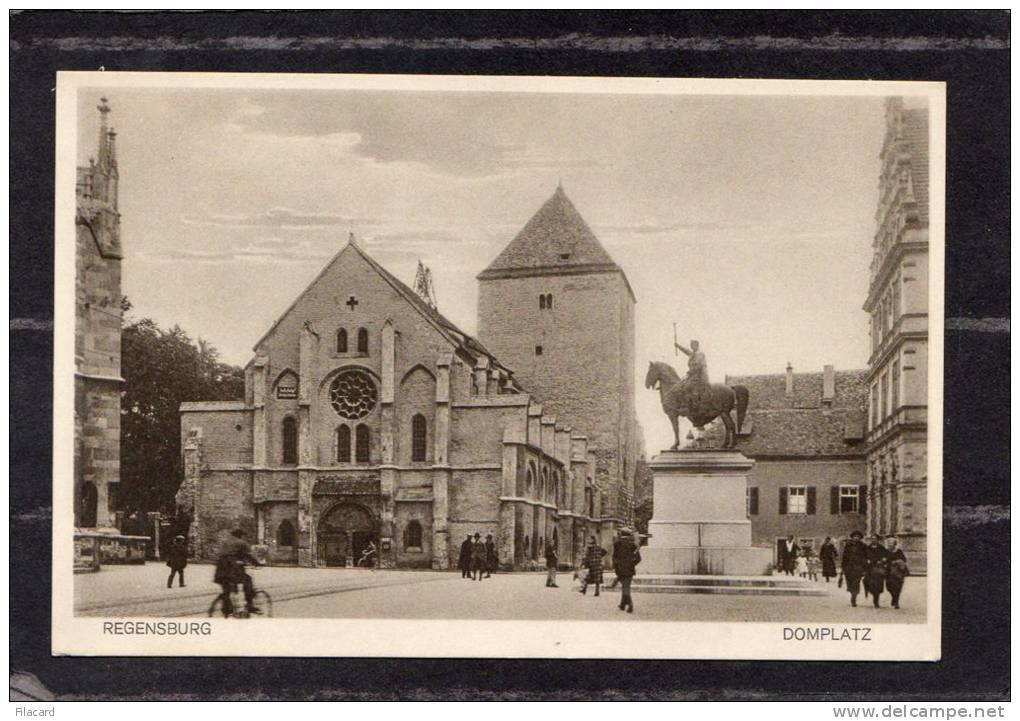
[[897, 303], [805, 432], [556, 308], [97, 331], [369, 418]]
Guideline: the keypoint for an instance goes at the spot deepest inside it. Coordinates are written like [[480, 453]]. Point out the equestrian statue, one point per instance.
[[694, 397]]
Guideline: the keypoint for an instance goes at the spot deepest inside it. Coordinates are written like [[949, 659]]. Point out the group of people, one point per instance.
[[878, 567], [478, 558], [804, 562]]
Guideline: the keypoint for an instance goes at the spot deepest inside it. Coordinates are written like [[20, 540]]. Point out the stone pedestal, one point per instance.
[[699, 523]]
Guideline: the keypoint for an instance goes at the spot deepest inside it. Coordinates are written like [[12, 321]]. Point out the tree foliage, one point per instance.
[[161, 370]]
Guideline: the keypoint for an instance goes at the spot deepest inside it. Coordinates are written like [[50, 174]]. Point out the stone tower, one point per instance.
[[897, 302], [97, 380], [557, 311]]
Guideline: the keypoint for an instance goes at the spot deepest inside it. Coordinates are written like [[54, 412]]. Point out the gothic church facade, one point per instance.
[[369, 418]]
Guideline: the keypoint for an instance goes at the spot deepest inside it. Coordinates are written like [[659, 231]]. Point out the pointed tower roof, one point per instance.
[[556, 238]]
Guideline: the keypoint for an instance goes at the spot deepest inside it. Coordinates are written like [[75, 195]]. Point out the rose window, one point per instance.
[[352, 394]]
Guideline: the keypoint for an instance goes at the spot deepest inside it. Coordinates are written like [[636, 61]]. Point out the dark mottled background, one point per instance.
[[970, 50]]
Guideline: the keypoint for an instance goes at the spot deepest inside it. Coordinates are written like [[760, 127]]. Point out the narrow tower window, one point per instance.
[[341, 340], [289, 440], [418, 438], [362, 340]]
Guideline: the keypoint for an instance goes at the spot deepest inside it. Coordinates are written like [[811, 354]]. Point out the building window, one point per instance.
[[752, 501], [895, 390], [543, 490], [849, 499], [797, 500], [530, 480], [285, 535], [341, 340], [362, 341], [343, 444], [806, 544], [538, 350], [883, 397], [361, 444], [545, 301], [412, 536], [289, 440], [419, 445]]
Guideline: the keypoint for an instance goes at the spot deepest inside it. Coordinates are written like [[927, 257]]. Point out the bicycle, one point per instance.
[[261, 600]]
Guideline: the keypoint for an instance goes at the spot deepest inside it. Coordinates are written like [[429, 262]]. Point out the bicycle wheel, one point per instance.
[[264, 601], [216, 607]]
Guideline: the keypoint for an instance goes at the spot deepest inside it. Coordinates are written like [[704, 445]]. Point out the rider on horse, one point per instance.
[[695, 384]]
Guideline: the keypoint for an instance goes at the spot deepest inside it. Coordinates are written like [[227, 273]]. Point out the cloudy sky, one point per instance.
[[747, 221]]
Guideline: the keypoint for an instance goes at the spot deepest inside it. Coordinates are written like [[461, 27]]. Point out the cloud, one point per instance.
[[280, 218], [261, 250]]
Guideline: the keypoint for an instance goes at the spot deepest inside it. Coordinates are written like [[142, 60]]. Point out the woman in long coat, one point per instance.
[[828, 555], [896, 570], [593, 562], [874, 580]]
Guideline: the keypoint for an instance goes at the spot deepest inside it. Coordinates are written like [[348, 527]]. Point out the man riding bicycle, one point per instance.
[[230, 571]]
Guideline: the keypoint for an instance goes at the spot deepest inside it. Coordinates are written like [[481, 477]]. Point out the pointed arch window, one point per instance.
[[419, 438], [361, 444], [285, 534], [290, 450], [362, 340], [341, 340], [343, 444]]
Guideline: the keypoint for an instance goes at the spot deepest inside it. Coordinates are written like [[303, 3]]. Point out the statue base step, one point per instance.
[[730, 585], [705, 560]]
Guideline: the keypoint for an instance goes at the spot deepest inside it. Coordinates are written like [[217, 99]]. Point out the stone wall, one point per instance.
[[97, 382], [584, 376]]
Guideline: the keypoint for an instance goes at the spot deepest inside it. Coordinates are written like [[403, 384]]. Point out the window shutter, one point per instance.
[[862, 499], [782, 500], [812, 498], [753, 501], [834, 500]]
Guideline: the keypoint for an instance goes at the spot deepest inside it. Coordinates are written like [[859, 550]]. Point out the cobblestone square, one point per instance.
[[125, 591]]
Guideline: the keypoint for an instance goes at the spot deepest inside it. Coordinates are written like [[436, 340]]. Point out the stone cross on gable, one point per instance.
[[351, 302]]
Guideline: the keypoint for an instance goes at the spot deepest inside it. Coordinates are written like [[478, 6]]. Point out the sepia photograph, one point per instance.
[[503, 367]]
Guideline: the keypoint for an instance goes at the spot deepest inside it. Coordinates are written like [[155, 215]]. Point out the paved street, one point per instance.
[[347, 593]]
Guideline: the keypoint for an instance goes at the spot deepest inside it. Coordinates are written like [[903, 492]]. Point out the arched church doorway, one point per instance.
[[344, 532]]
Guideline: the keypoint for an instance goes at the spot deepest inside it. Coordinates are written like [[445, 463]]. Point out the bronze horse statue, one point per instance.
[[717, 400]]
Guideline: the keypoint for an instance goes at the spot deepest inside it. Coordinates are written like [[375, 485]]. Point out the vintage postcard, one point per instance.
[[360, 365]]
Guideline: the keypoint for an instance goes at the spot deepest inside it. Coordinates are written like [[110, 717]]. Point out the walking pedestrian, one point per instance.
[[813, 565], [855, 564], [593, 562], [828, 554], [464, 561], [626, 557], [491, 559], [177, 560], [478, 557], [551, 562], [788, 550], [874, 580], [896, 570]]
